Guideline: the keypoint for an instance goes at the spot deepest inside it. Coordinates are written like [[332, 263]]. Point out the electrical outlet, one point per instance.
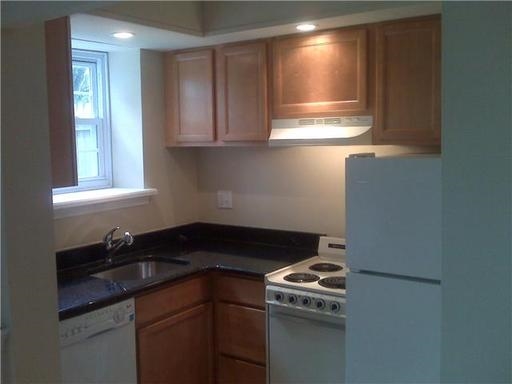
[[224, 200]]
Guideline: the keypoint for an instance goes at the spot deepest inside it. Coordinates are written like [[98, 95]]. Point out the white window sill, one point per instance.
[[81, 203]]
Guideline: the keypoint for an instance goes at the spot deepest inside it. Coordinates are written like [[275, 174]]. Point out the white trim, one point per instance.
[[101, 120], [84, 202]]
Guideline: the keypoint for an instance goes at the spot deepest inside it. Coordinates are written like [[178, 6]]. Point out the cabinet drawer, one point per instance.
[[171, 299], [241, 332], [240, 290], [233, 371]]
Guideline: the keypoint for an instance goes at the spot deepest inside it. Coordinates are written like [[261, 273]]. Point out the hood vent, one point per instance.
[[346, 130]]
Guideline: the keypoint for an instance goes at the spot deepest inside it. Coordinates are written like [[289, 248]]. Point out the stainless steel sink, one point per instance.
[[140, 270]]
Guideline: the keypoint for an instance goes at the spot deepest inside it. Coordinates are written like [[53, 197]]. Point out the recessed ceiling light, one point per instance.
[[306, 27], [123, 35]]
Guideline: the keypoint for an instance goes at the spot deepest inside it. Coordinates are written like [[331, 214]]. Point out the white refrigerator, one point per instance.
[[393, 327]]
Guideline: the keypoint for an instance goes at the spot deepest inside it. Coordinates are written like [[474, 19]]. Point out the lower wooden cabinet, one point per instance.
[[234, 371], [175, 333], [241, 331], [177, 349], [177, 326]]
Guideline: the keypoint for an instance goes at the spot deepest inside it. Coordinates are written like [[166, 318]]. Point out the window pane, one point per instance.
[[83, 89], [87, 151]]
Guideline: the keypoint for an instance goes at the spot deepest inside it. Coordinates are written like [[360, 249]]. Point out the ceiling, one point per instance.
[[97, 31]]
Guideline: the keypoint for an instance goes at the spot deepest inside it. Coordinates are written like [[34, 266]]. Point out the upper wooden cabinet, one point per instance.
[[323, 74], [390, 70], [60, 102], [242, 105], [239, 85], [190, 97], [408, 82]]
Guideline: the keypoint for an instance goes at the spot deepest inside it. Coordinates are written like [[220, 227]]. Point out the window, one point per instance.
[[92, 122]]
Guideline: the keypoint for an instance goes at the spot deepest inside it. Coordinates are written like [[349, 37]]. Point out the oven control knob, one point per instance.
[[292, 299], [306, 301], [278, 296], [335, 307], [320, 304]]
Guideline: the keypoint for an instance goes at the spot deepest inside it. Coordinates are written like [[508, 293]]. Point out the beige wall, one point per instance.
[[295, 188], [126, 117], [172, 172], [29, 294]]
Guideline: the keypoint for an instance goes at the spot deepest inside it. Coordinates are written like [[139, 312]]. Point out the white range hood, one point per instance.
[[346, 130]]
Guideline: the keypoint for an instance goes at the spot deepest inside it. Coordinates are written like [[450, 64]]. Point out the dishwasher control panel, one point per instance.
[[305, 301], [95, 322]]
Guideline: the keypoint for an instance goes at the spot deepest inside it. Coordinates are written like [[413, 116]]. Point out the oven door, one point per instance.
[[304, 347]]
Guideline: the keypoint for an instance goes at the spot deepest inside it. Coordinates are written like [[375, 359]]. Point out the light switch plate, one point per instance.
[[224, 200]]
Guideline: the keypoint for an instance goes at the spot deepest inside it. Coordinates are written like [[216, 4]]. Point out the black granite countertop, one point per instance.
[[199, 248]]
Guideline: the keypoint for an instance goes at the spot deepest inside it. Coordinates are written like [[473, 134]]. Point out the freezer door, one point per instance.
[[393, 330], [393, 208]]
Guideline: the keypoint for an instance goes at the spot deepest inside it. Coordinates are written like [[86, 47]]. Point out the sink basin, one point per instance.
[[140, 270]]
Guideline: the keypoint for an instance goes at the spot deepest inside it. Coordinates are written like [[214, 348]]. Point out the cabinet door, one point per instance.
[[234, 371], [189, 97], [241, 332], [320, 74], [60, 102], [242, 112], [177, 349], [408, 82]]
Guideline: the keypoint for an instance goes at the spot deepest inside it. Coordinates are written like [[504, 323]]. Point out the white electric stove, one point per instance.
[[311, 279], [306, 318]]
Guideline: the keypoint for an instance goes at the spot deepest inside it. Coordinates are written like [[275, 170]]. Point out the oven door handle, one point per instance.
[[327, 321]]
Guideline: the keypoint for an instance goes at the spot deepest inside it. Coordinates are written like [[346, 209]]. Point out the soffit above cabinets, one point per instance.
[[99, 29]]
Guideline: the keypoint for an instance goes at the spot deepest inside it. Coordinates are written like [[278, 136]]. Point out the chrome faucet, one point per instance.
[[113, 246]]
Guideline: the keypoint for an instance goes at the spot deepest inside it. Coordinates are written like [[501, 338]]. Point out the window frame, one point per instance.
[[101, 121]]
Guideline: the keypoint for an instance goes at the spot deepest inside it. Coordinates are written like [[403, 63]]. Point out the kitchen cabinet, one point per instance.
[[390, 70], [189, 95], [176, 328], [175, 333], [320, 74], [213, 108], [60, 102], [240, 329], [408, 77], [234, 371], [242, 105]]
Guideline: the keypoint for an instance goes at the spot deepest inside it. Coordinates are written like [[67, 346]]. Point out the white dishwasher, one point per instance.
[[99, 346]]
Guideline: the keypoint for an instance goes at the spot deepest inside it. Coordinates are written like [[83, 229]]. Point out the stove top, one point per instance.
[[326, 267], [301, 277], [324, 274], [336, 282]]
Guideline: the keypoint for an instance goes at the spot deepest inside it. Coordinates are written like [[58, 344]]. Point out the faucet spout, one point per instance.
[[113, 246]]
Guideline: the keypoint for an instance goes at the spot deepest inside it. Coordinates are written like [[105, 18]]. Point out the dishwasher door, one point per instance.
[[99, 347], [305, 347]]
